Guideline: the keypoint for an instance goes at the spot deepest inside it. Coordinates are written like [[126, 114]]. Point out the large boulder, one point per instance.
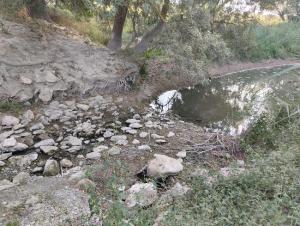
[[163, 166]]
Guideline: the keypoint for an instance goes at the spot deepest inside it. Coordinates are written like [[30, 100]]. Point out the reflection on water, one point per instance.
[[233, 102]]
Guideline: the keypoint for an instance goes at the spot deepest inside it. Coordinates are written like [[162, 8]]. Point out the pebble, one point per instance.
[[66, 163], [93, 155]]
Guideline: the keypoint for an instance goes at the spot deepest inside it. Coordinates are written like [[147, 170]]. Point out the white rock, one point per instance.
[[141, 194], [156, 136], [6, 184], [135, 141], [181, 154], [83, 107], [135, 125], [178, 190], [27, 117], [122, 142], [2, 163], [144, 148], [101, 139], [66, 163], [46, 94], [9, 121], [5, 156], [23, 160], [160, 141], [130, 121], [93, 155], [18, 147], [49, 150], [163, 166], [143, 134], [50, 77], [38, 126], [9, 142], [51, 168], [114, 151], [47, 142], [74, 141], [25, 80], [108, 134], [117, 138], [171, 134], [100, 148]]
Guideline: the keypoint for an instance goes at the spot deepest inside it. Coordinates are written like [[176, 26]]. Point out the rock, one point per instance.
[[93, 155], [181, 154], [135, 125], [114, 151], [131, 131], [131, 121], [37, 169], [144, 148], [5, 135], [141, 194], [171, 134], [100, 148], [51, 168], [46, 95], [136, 116], [108, 134], [2, 163], [122, 142], [83, 107], [77, 176], [74, 141], [156, 136], [6, 184], [163, 166], [9, 121], [178, 190], [100, 139], [47, 142], [50, 77], [27, 117], [135, 141], [25, 80], [85, 184], [160, 141], [74, 149], [17, 148], [118, 138], [38, 126], [9, 142], [32, 201], [143, 134], [49, 150], [5, 156], [23, 160], [66, 163], [21, 178]]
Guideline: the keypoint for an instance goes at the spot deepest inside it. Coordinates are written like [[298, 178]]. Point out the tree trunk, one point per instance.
[[150, 35], [37, 8], [116, 40]]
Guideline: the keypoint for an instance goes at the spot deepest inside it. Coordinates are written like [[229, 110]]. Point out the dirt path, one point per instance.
[[223, 70]]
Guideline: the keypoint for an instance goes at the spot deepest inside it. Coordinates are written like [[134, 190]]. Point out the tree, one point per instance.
[[150, 35], [36, 8], [119, 21]]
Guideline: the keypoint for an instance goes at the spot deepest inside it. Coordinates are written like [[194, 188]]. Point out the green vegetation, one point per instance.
[[10, 106]]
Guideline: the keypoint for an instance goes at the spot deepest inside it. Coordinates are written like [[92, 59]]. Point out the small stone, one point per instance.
[[77, 176], [85, 184], [131, 121], [5, 156], [101, 139], [122, 142], [66, 163], [27, 117], [171, 134], [114, 151], [163, 166], [144, 148], [118, 138], [93, 155], [74, 141], [9, 121], [135, 125], [45, 95], [49, 150], [108, 134], [143, 134], [141, 194], [25, 80], [136, 116], [181, 154], [156, 136], [21, 178], [2, 163], [9, 142], [38, 126], [37, 169], [47, 142], [51, 168], [50, 77], [100, 148], [135, 141], [83, 107], [240, 163], [160, 141]]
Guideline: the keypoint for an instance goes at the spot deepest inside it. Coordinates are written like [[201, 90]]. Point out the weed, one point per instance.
[[10, 106]]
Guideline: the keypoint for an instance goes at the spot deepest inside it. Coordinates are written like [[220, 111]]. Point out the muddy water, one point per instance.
[[231, 103]]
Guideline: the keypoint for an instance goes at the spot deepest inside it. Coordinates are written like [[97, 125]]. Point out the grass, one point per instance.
[[276, 41], [91, 27], [8, 106]]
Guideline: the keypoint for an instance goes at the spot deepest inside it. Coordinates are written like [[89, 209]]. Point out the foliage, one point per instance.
[[10, 106]]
